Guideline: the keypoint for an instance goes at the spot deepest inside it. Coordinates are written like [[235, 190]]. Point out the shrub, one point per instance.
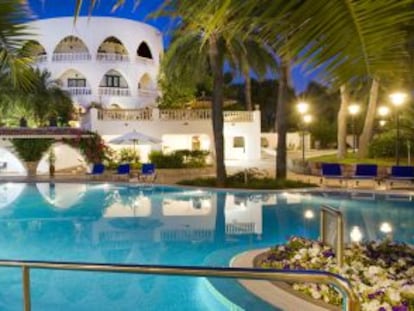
[[383, 146], [128, 155], [173, 160], [31, 150], [193, 158]]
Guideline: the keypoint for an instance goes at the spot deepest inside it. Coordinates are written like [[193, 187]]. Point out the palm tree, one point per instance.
[[14, 61], [352, 40]]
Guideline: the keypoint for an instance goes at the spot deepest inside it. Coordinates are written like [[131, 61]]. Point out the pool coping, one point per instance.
[[277, 294]]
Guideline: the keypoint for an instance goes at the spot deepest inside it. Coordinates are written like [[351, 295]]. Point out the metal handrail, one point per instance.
[[326, 209], [350, 301]]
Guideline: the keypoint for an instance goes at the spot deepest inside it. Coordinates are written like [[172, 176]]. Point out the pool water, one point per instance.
[[110, 223]]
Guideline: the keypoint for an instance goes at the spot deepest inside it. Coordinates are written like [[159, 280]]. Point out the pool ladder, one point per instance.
[[350, 301]]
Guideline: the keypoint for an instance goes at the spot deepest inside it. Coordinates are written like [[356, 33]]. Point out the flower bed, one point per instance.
[[381, 273]]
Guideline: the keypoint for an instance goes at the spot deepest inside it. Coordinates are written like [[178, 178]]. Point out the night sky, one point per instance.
[[41, 9]]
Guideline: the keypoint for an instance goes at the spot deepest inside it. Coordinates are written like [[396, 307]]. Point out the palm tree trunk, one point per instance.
[[342, 116], [368, 130], [217, 109], [281, 117], [247, 87]]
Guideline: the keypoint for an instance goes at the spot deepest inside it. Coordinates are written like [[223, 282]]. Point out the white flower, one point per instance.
[[315, 250], [393, 295], [372, 305]]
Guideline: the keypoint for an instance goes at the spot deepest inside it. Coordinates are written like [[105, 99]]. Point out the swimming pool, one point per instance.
[[112, 223]]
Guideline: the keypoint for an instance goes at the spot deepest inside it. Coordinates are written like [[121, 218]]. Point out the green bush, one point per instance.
[[31, 150], [173, 160], [128, 155], [193, 158], [383, 146]]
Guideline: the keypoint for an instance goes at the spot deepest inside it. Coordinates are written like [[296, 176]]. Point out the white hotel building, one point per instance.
[[113, 64]]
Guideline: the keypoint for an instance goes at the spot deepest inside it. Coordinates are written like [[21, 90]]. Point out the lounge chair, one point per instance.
[[147, 173], [367, 172], [400, 174], [97, 170], [122, 171], [332, 171]]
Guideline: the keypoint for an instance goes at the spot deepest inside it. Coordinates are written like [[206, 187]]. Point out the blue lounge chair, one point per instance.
[[123, 171], [147, 173], [97, 170], [365, 171], [332, 171], [401, 173]]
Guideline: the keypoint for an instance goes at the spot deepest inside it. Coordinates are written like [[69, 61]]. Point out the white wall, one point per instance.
[[93, 31]]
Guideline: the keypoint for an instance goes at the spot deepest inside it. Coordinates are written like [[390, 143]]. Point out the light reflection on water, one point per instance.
[[161, 225]]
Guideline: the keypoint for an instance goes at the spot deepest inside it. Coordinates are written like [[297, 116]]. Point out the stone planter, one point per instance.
[[31, 168]]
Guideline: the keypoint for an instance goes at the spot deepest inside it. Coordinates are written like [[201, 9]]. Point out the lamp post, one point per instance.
[[383, 112], [397, 99], [303, 108], [306, 120], [353, 111]]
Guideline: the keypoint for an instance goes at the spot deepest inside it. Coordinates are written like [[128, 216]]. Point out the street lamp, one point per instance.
[[353, 111], [303, 107], [383, 112], [307, 118], [397, 99]]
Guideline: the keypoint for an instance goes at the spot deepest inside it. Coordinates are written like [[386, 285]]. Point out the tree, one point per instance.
[[14, 61]]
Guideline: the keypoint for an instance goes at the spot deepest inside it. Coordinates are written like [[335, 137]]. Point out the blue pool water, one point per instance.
[[129, 224]]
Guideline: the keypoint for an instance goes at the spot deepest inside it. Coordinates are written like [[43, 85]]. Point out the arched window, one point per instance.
[[71, 48], [144, 51], [35, 50], [75, 83], [112, 49], [113, 83]]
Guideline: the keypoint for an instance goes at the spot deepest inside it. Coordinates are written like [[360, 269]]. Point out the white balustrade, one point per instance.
[[78, 90], [40, 58], [240, 228], [238, 116], [147, 92], [125, 114], [114, 91], [145, 60], [185, 114], [112, 57], [64, 57], [170, 115]]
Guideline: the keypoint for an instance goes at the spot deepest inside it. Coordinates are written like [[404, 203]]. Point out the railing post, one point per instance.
[[26, 288]]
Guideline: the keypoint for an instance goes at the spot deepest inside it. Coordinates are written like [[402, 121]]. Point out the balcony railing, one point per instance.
[[112, 57], [237, 116], [144, 60], [147, 93], [40, 58], [125, 115], [114, 91], [185, 114], [78, 90], [69, 57], [170, 114]]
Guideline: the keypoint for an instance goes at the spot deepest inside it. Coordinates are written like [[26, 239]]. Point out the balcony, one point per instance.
[[40, 59], [147, 93], [144, 60], [70, 57], [112, 57], [76, 91], [114, 91], [125, 114]]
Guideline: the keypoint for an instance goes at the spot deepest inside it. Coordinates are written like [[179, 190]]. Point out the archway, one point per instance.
[[10, 164], [112, 49], [75, 83], [144, 51], [113, 83], [146, 84], [35, 50], [71, 48]]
